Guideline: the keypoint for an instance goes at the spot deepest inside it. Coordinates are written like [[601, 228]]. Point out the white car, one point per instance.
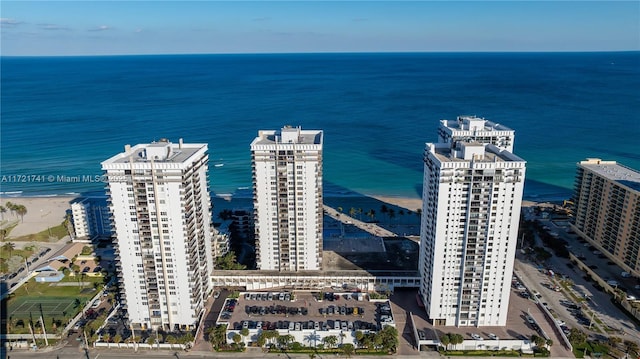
[[493, 336], [476, 336]]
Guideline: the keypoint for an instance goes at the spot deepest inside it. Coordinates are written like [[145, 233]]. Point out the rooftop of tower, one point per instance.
[[473, 123], [614, 171], [289, 135], [162, 151], [471, 151]]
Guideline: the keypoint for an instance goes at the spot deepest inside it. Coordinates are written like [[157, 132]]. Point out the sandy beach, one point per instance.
[[42, 213], [411, 204]]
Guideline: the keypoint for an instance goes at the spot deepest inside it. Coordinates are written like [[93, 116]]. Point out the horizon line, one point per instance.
[[331, 52]]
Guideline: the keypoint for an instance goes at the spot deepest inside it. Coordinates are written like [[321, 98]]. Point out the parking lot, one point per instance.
[[304, 311]]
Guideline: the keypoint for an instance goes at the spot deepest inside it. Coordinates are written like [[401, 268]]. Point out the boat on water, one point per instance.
[[218, 165]]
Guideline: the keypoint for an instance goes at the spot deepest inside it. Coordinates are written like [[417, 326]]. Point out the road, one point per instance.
[[600, 301], [56, 248]]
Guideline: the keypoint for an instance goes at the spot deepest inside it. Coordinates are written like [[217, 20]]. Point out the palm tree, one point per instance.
[[384, 209], [352, 212], [372, 214], [392, 214], [21, 211], [11, 207], [237, 338], [117, 338], [330, 340], [3, 210], [348, 349], [9, 247]]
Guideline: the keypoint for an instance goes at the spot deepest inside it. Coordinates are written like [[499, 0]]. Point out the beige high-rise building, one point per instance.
[[607, 210]]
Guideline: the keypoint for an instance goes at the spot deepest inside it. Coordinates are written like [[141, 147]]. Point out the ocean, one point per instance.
[[62, 116]]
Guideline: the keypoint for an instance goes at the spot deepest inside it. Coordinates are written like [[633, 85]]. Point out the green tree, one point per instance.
[[3, 210], [21, 211], [229, 262], [391, 214], [117, 338], [9, 247], [244, 332], [577, 336], [11, 207], [218, 336], [359, 336], [86, 250], [348, 350], [456, 338], [285, 340], [106, 337], [388, 337], [371, 214], [262, 340], [237, 338], [330, 341], [188, 338], [170, 339], [384, 209], [352, 212], [445, 340], [151, 340]]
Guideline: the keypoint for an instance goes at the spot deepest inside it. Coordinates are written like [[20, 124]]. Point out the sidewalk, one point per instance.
[[372, 228]]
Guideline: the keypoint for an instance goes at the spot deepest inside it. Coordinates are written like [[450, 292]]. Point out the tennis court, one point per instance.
[[52, 307]]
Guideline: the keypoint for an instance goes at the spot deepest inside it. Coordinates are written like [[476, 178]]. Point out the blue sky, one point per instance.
[[167, 27]]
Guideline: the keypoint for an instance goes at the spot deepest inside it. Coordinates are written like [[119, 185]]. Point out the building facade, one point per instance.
[[91, 217], [472, 194], [161, 209], [287, 194], [607, 210], [476, 129]]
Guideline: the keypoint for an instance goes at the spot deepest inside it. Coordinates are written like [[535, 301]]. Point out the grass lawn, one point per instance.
[[52, 234], [58, 303]]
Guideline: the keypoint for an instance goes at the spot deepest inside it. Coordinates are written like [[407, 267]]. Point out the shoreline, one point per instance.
[[43, 212], [49, 211]]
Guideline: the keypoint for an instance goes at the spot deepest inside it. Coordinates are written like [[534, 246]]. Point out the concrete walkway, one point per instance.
[[372, 228]]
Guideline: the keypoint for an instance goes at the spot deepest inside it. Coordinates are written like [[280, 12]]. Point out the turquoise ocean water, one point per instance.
[[63, 116]]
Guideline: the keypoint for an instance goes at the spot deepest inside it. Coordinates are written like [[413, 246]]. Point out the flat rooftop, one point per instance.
[[288, 135], [613, 171], [160, 152], [463, 123], [491, 153]]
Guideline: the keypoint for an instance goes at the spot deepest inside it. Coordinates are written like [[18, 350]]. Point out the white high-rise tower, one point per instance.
[[287, 192], [161, 208], [471, 209]]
